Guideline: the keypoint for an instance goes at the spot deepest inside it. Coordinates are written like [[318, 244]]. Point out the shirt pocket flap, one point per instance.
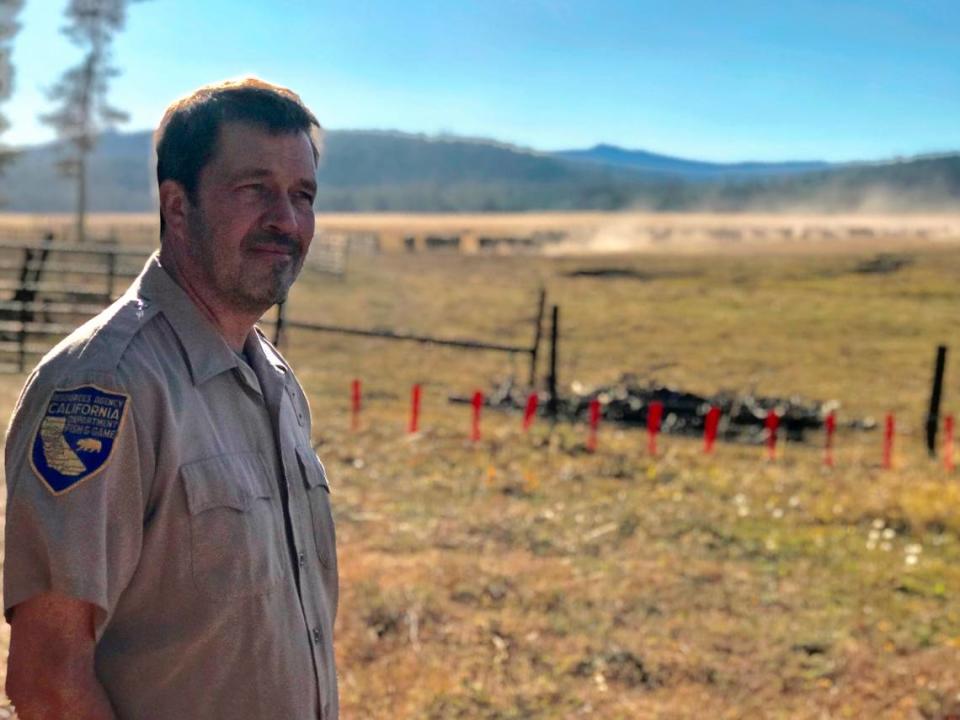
[[232, 481], [313, 470]]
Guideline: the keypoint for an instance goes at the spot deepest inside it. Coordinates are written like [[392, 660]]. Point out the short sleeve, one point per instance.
[[74, 515]]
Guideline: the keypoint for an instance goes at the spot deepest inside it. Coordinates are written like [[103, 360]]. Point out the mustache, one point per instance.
[[287, 242]]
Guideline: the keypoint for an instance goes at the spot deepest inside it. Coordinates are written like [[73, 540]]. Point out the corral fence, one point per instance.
[[52, 287], [49, 287]]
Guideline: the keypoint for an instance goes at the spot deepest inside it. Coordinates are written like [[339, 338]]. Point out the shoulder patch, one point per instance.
[[76, 436]]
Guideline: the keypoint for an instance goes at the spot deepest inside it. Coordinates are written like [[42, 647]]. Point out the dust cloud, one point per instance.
[[752, 232]]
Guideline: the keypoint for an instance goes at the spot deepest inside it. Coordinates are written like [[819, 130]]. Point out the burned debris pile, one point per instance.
[[628, 400]]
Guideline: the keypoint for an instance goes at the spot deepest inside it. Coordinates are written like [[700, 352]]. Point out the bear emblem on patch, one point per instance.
[[76, 435]]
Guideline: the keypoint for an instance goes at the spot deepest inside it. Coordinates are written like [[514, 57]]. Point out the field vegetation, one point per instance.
[[523, 577], [526, 578]]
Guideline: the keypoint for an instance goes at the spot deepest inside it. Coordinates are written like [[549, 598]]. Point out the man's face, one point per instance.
[[251, 226]]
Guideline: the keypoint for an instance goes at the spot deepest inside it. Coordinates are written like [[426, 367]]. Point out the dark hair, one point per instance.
[[186, 139]]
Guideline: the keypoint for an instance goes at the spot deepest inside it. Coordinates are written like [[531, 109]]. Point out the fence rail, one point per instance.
[[282, 325], [393, 335]]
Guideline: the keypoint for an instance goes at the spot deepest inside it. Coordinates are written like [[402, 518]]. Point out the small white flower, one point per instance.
[[878, 524], [777, 513], [889, 534]]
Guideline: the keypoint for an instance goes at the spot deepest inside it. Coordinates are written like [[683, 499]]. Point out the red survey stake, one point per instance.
[[710, 426], [594, 424], [771, 424], [530, 412], [831, 425], [355, 392], [475, 427], [654, 417], [415, 409], [889, 431]]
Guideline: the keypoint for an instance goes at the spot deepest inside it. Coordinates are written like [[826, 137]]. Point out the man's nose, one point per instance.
[[281, 217]]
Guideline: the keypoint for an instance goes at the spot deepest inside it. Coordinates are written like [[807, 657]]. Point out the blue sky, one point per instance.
[[733, 80]]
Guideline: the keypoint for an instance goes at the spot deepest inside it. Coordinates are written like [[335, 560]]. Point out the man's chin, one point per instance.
[[276, 296], [250, 304], [267, 291]]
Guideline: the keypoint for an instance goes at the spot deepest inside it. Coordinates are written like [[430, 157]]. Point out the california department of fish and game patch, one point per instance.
[[77, 435]]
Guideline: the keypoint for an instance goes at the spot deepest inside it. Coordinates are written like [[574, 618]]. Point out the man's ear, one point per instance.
[[174, 205]]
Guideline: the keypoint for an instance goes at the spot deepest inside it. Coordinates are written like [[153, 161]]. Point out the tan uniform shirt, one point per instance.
[[153, 473]]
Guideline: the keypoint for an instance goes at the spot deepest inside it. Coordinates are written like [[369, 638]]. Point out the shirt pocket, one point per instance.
[[235, 539], [318, 493]]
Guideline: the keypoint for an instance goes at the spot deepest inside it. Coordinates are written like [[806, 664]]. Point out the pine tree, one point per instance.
[[82, 111], [8, 28]]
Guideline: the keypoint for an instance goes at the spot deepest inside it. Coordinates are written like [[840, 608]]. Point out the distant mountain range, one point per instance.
[[649, 162], [389, 171]]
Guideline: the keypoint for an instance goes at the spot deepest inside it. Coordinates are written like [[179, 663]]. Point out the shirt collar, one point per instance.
[[263, 355], [206, 351]]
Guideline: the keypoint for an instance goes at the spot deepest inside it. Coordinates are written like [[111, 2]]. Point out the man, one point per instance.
[[170, 552]]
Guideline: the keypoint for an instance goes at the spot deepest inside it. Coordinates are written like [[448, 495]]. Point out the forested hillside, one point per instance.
[[367, 171]]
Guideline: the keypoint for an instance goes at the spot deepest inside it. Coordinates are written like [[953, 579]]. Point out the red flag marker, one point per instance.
[[654, 416], [355, 406], [948, 443], [888, 435], [415, 409], [594, 424], [477, 404], [828, 446], [771, 424], [710, 426], [530, 412]]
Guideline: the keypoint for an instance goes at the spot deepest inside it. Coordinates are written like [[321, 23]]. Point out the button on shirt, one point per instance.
[[204, 538]]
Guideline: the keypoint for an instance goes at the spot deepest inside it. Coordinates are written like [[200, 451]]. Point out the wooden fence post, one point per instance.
[[933, 416], [111, 274], [278, 329], [552, 402], [22, 345], [537, 333], [25, 294]]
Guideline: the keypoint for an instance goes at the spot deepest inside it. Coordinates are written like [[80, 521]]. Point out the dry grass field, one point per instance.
[[583, 232], [523, 577]]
